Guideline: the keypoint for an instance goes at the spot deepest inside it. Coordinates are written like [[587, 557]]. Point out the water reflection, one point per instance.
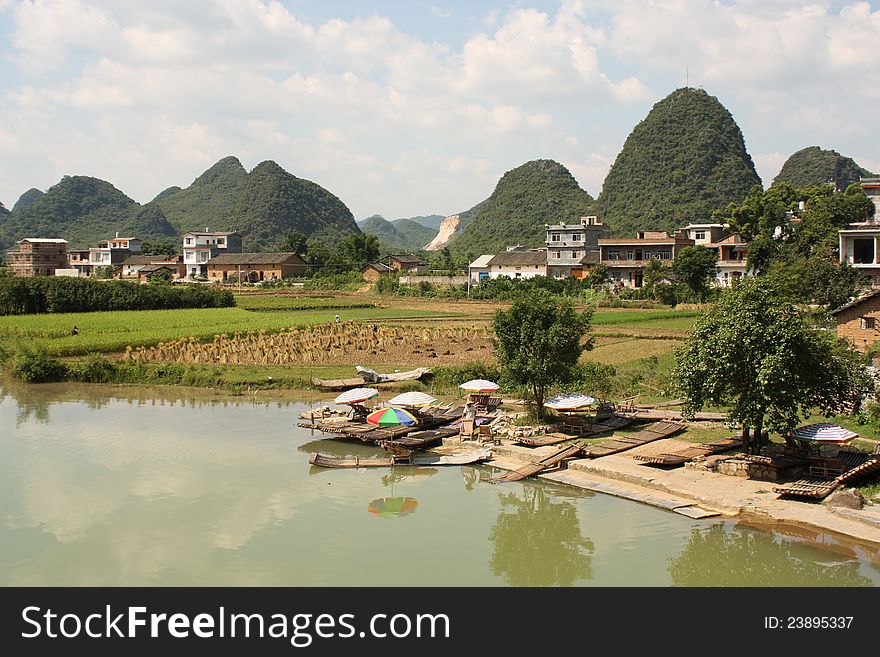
[[743, 556], [393, 507], [538, 541]]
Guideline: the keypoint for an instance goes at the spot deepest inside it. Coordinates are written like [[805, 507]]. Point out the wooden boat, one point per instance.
[[354, 382], [331, 461], [690, 452]]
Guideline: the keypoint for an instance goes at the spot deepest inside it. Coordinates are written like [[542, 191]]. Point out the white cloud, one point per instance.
[[440, 13], [150, 94]]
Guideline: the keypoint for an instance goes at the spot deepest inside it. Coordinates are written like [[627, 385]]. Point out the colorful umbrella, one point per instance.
[[479, 385], [356, 396], [412, 399], [392, 417], [569, 402], [824, 432], [392, 507]]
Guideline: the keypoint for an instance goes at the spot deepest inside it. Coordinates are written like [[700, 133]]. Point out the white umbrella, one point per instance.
[[356, 396], [569, 402], [824, 432], [479, 385], [412, 399]]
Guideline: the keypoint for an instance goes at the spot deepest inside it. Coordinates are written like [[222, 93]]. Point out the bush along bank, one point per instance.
[[55, 294]]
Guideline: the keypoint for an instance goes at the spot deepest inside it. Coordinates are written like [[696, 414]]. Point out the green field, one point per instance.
[[647, 318], [113, 331], [277, 302]]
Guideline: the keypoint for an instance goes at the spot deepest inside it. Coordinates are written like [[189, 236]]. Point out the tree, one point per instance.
[[294, 242], [598, 275], [358, 250], [758, 352], [695, 266], [539, 340], [160, 247]]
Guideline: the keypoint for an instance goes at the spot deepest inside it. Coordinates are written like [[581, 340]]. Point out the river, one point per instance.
[[131, 486]]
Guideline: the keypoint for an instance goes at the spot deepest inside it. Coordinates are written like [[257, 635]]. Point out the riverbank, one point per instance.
[[699, 494]]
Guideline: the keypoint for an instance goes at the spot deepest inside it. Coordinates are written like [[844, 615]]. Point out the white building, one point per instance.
[[199, 248], [478, 270], [517, 263]]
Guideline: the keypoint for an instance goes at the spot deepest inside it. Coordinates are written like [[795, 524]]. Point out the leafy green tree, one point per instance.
[[695, 266], [598, 276], [655, 273], [160, 247], [538, 342], [756, 351], [294, 242], [358, 250]]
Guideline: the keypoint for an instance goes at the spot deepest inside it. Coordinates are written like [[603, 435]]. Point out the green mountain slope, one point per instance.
[[272, 202], [166, 193], [401, 234], [84, 210], [27, 199], [685, 159], [526, 198], [208, 201], [4, 213], [817, 166], [432, 221]]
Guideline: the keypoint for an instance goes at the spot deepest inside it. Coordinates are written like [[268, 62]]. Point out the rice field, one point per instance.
[[282, 302], [113, 331], [625, 350]]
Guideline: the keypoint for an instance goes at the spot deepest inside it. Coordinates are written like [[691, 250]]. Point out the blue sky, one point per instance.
[[407, 108]]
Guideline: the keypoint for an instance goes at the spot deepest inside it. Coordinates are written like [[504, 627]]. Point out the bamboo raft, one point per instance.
[[856, 464], [355, 382], [585, 430], [418, 440], [370, 433], [331, 461], [554, 460], [685, 454], [647, 435]]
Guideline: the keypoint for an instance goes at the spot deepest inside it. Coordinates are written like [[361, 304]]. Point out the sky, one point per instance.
[[405, 108]]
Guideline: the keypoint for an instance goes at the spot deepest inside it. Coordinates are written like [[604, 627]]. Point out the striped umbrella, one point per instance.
[[569, 402], [392, 417], [479, 385], [412, 399], [356, 396], [824, 432]]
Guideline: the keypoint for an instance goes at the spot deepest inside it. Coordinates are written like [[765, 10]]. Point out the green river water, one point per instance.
[[127, 486]]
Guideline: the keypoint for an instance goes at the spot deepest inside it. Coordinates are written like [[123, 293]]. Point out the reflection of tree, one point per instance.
[[539, 542], [470, 476], [715, 556]]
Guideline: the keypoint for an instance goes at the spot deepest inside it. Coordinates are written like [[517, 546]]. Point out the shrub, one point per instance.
[[37, 366]]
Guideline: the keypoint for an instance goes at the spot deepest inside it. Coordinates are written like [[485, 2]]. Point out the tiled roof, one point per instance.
[[256, 259], [512, 258]]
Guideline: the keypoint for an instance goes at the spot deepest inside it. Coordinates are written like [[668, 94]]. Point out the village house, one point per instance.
[[573, 248], [518, 262], [373, 271], [131, 267], [149, 272], [478, 270], [858, 321], [627, 259], [406, 263], [37, 256], [859, 243], [199, 248], [733, 259], [255, 267], [109, 253]]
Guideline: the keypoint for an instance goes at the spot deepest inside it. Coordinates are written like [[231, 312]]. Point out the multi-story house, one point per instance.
[[109, 253], [733, 259], [199, 248], [37, 256], [626, 259], [859, 243], [133, 266], [573, 248]]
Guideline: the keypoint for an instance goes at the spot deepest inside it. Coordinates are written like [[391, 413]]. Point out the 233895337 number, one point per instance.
[[818, 622]]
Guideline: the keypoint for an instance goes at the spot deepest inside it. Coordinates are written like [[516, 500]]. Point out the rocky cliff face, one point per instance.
[[448, 228]]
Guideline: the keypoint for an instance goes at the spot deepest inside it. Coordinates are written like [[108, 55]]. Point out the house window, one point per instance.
[[188, 240], [221, 240], [868, 323], [577, 237], [630, 255], [863, 251], [664, 255], [555, 254], [699, 234], [575, 254], [555, 237]]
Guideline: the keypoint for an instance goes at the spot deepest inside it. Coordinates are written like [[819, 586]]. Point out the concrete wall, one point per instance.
[[436, 280]]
